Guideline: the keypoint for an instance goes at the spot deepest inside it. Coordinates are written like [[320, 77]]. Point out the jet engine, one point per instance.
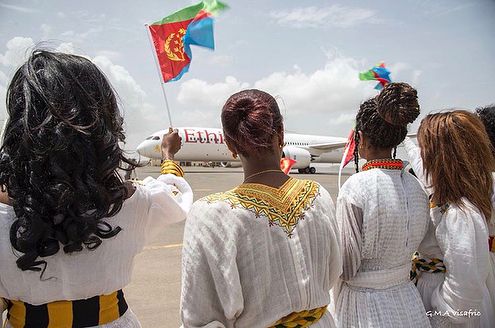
[[301, 156]]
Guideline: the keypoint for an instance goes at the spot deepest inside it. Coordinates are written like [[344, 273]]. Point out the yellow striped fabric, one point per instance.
[[17, 314], [60, 314], [301, 319], [109, 310], [420, 264], [94, 311], [170, 167]]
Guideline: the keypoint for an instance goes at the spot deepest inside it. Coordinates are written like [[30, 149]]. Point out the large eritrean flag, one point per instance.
[[173, 35]]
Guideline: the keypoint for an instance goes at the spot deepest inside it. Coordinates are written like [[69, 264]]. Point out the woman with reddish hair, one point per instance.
[[265, 253], [454, 271]]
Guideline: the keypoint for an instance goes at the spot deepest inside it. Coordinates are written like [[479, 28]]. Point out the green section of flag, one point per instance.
[[210, 6], [365, 76]]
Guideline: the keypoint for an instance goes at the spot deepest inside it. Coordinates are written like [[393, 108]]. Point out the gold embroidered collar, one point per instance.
[[283, 206]]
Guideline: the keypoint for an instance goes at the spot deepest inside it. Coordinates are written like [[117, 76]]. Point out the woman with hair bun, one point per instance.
[[455, 272], [383, 216], [70, 227], [266, 253]]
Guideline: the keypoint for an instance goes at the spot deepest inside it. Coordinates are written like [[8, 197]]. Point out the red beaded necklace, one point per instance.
[[387, 164]]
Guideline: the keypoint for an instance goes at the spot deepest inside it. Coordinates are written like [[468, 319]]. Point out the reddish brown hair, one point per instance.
[[457, 159], [250, 119]]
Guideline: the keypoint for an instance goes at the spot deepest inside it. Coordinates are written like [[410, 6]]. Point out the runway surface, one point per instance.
[[154, 293]]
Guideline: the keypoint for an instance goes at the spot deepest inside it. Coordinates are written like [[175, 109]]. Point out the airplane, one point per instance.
[[208, 144]]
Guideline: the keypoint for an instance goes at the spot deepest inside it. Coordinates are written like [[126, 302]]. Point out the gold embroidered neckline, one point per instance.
[[283, 206]]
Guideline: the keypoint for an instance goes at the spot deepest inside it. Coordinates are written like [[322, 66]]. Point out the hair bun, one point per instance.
[[398, 104]]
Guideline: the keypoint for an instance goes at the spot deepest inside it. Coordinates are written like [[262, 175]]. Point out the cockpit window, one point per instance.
[[149, 138], [156, 138]]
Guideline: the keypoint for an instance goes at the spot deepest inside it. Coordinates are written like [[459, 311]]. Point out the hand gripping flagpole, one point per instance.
[[160, 78]]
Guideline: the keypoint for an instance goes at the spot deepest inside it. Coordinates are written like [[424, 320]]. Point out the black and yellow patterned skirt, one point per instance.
[[90, 312]]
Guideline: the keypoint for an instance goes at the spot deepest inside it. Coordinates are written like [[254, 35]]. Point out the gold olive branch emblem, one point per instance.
[[174, 47]]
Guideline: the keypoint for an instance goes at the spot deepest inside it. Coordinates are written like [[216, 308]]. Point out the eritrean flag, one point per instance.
[[378, 73], [173, 35], [348, 155]]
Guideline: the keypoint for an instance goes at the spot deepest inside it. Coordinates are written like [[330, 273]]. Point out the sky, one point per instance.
[[305, 53]]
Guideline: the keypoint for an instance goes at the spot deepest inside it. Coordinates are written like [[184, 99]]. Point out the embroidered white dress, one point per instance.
[[154, 204], [383, 217], [459, 237], [255, 254]]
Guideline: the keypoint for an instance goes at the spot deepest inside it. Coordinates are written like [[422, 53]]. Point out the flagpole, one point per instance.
[[159, 72]]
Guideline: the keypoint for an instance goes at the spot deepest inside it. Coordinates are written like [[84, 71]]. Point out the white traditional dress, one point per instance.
[[383, 217], [91, 277], [256, 254], [463, 295]]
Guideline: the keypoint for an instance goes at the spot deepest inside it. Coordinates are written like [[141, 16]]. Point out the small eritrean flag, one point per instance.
[[173, 35], [348, 155], [377, 73], [286, 164]]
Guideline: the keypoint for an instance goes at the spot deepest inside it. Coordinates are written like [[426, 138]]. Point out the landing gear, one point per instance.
[[307, 170]]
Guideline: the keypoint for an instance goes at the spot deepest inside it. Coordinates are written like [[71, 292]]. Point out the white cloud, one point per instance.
[[326, 99], [3, 94], [328, 92], [112, 55], [334, 88], [139, 115], [18, 49], [335, 15], [210, 96], [67, 47]]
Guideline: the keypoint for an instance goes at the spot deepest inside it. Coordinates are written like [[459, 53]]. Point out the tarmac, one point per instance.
[[154, 292]]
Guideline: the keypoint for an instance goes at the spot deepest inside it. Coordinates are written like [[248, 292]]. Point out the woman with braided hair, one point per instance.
[[456, 275], [383, 216], [70, 227]]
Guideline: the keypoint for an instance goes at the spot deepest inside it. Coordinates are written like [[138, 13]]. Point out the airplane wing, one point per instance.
[[329, 146], [412, 135]]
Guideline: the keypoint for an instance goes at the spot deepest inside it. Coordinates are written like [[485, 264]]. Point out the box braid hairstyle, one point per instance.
[[384, 118], [59, 157]]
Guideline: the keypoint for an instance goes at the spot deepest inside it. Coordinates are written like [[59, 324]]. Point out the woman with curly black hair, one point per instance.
[[69, 225], [383, 217]]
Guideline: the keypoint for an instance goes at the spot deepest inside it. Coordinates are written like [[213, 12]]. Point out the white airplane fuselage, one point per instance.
[[208, 144]]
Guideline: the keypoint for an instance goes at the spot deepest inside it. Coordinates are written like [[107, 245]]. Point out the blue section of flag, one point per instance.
[[200, 33], [382, 72]]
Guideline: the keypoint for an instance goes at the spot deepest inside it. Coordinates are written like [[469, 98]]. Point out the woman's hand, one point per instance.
[[171, 144]]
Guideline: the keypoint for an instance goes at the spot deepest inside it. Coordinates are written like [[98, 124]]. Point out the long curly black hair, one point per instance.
[[384, 118], [487, 116], [59, 157]]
